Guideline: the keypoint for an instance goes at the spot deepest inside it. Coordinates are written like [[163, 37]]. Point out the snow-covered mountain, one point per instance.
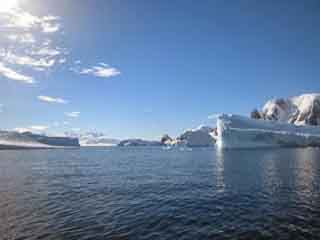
[[93, 138], [300, 110]]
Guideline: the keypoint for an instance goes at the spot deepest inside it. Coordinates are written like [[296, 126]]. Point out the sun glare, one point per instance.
[[7, 5]]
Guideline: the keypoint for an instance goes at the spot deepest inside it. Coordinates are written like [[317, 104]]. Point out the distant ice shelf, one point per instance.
[[234, 131]]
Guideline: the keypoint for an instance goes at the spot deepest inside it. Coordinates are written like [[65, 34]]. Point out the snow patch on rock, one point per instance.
[[300, 110]]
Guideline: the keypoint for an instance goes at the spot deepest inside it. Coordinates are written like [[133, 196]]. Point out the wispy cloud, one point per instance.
[[62, 60], [13, 75], [21, 129], [22, 38], [28, 61], [19, 19], [72, 114], [52, 99], [46, 51], [28, 43], [102, 70], [39, 128], [35, 128], [1, 108]]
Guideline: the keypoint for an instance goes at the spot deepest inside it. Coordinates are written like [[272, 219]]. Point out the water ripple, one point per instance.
[[151, 193]]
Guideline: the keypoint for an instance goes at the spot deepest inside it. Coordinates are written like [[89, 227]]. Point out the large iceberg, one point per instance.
[[93, 139], [235, 131], [199, 137]]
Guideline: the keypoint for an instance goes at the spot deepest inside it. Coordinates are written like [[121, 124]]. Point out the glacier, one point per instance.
[[28, 140], [234, 131]]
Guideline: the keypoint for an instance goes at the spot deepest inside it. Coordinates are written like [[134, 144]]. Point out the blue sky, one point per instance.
[[144, 68]]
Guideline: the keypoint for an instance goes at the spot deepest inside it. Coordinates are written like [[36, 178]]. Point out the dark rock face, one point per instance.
[[301, 110], [138, 143], [313, 117], [255, 114], [165, 138]]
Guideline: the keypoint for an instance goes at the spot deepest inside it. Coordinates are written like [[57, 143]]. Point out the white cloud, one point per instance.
[[21, 130], [102, 70], [35, 128], [39, 128], [72, 114], [52, 99], [19, 19], [1, 108], [28, 61], [28, 41], [13, 75], [22, 38], [50, 28], [47, 52]]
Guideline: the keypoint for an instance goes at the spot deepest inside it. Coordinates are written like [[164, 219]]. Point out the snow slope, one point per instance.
[[241, 132]]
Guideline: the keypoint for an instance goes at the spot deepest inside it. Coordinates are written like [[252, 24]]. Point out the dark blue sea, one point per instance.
[[155, 193]]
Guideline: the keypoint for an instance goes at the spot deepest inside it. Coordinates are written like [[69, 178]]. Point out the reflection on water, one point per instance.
[[154, 193], [219, 170]]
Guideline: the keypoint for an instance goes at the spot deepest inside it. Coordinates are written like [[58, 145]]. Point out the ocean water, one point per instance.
[[153, 193]]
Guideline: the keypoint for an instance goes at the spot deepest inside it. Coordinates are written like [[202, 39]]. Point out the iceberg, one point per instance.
[[93, 139], [199, 137], [234, 131]]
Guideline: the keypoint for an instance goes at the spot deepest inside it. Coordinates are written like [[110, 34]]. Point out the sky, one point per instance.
[[145, 68]]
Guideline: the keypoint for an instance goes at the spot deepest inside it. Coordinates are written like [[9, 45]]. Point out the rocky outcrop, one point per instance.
[[139, 143], [300, 110], [255, 114], [166, 139]]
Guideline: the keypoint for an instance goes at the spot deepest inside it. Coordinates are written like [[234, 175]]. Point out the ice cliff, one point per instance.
[[235, 131], [93, 138], [199, 137]]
